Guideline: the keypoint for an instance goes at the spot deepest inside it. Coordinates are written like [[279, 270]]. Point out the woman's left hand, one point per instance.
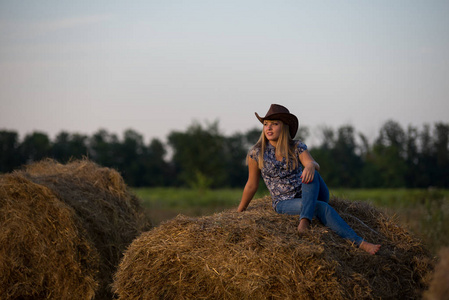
[[310, 165], [308, 173]]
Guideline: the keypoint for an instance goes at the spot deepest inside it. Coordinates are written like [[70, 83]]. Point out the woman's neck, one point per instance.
[[273, 143]]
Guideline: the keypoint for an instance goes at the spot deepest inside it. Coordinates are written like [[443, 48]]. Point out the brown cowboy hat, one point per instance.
[[279, 112]]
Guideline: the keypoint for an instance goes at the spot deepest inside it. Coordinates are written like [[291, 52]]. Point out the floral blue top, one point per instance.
[[283, 184]]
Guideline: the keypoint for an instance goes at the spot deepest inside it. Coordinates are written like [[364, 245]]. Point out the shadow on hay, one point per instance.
[[64, 230], [257, 254]]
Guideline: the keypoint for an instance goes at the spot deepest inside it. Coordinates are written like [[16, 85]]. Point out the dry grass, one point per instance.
[[44, 252], [258, 255], [101, 218], [439, 284]]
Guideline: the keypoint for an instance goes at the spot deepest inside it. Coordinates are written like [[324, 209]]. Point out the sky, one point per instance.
[[158, 66]]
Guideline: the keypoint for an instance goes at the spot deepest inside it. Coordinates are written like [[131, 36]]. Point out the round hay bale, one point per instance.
[[107, 211], [439, 284], [258, 254], [44, 253]]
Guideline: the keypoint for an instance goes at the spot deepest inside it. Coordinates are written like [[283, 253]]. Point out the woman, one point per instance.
[[277, 158]]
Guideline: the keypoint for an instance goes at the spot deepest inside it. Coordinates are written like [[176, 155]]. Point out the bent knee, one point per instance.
[[323, 206]]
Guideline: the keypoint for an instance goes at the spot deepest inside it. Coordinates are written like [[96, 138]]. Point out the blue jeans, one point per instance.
[[315, 203]]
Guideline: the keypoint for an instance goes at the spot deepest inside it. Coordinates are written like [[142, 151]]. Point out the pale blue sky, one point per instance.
[[156, 66]]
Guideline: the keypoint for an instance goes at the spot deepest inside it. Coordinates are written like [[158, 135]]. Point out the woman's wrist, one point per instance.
[[312, 164]]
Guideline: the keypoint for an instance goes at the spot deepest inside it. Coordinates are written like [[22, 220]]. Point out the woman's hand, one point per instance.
[[308, 173], [310, 165]]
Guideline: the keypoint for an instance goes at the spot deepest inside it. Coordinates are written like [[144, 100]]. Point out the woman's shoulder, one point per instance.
[[253, 152], [300, 146]]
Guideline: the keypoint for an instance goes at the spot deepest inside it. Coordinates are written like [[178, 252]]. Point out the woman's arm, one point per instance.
[[310, 165], [251, 185]]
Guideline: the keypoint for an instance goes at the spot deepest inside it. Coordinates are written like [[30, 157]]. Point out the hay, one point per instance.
[[258, 255], [103, 210], [439, 284], [43, 254]]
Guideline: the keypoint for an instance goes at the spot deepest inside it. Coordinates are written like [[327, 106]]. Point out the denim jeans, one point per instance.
[[315, 203]]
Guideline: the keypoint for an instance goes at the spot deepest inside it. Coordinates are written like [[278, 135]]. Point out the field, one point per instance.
[[424, 212]]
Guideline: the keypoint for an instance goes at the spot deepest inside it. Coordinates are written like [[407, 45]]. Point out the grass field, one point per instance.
[[166, 203], [424, 212]]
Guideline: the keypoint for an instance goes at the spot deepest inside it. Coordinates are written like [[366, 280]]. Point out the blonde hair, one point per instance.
[[285, 147]]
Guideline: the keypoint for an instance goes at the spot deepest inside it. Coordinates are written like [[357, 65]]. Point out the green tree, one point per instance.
[[35, 147], [158, 172], [69, 146], [9, 144], [441, 144], [131, 162], [323, 155], [341, 166], [370, 174], [198, 153], [348, 166], [426, 161], [104, 149], [389, 155], [411, 157], [235, 151]]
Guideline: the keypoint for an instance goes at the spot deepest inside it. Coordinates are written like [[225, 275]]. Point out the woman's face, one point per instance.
[[272, 130]]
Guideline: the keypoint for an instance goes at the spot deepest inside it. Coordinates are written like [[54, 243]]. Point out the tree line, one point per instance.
[[203, 157]]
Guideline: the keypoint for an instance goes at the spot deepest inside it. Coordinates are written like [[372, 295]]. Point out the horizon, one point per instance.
[[312, 140]]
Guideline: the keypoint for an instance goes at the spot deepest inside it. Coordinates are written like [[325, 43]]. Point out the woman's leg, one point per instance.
[[323, 192], [290, 207], [305, 206], [308, 207], [317, 190], [330, 218], [311, 192]]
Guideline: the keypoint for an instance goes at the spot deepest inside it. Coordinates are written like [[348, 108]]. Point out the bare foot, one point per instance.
[[370, 248], [303, 226]]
